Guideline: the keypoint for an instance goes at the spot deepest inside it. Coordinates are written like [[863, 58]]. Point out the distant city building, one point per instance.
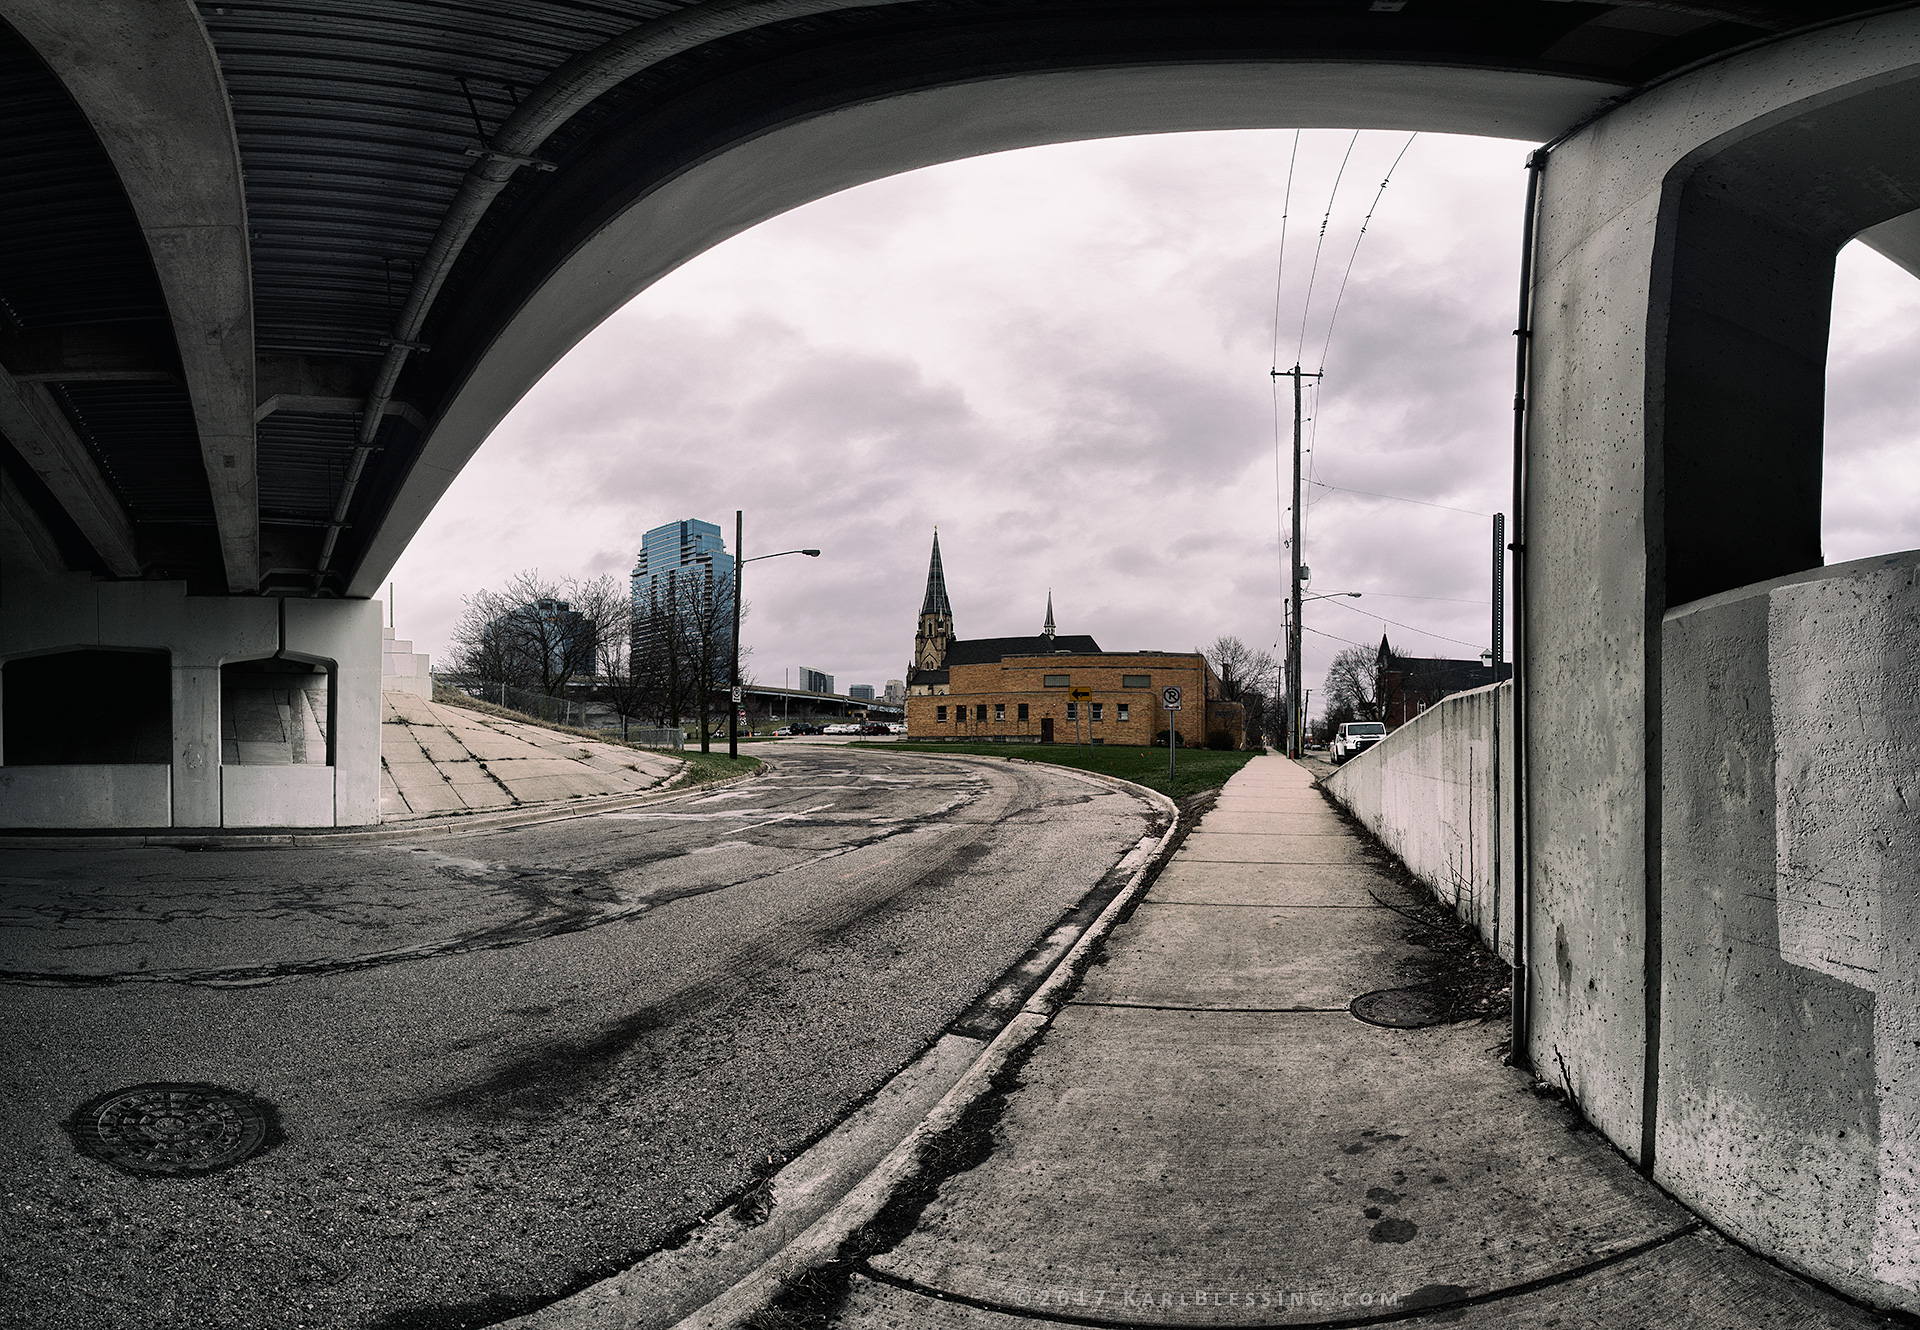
[[896, 692], [861, 691], [683, 567], [555, 628], [814, 681]]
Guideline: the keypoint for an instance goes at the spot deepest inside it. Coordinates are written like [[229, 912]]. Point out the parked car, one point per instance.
[[1356, 736], [841, 729], [801, 727], [896, 728], [875, 727], [785, 731]]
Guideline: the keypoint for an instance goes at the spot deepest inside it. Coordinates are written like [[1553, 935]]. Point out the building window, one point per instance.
[[1073, 711], [1022, 713], [999, 710], [1056, 680], [980, 712], [940, 714], [1099, 707], [1120, 707], [1136, 681]]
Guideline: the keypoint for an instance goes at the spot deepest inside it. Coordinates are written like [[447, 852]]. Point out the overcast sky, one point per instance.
[[1060, 357]]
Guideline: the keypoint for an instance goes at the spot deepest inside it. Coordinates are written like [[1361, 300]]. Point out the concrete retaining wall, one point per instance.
[[1789, 1099], [1433, 792], [39, 616], [100, 795]]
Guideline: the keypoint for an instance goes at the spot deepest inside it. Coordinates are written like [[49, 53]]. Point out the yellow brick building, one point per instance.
[[1021, 689]]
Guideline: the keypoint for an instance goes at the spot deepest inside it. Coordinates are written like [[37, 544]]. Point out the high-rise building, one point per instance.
[[683, 569], [861, 692], [814, 681], [896, 691]]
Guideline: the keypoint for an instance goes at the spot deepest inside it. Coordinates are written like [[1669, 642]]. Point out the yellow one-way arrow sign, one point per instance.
[[1080, 694]]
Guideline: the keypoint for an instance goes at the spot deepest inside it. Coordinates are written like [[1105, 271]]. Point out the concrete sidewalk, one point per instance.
[[1207, 1136]]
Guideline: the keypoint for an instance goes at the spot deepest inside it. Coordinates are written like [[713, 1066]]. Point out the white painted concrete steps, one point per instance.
[[436, 759], [1204, 1135]]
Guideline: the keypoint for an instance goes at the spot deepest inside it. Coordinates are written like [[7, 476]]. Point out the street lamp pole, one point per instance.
[[1296, 675], [740, 562]]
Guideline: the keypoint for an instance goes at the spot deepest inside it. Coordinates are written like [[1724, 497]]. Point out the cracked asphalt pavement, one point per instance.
[[509, 1064]]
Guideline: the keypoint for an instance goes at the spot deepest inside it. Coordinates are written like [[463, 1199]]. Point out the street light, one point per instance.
[[739, 565], [1296, 678]]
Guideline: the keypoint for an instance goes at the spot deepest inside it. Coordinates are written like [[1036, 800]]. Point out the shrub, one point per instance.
[[1220, 741], [1160, 740]]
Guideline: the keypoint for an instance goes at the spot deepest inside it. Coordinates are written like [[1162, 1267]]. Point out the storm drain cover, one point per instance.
[[1401, 1008], [171, 1129]]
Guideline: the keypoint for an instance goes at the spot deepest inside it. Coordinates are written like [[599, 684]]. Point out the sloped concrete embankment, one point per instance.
[[437, 759]]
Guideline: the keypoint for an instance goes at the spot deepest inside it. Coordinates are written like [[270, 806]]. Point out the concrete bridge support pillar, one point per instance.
[[262, 712], [1684, 274]]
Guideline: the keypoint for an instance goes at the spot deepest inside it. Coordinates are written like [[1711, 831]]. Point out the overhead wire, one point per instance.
[[1279, 274], [1341, 295], [1313, 272], [1400, 498]]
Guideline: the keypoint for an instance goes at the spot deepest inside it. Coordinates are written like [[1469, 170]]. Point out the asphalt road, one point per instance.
[[508, 1064]]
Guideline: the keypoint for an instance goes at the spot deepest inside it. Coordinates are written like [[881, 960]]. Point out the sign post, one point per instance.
[[1080, 697], [1170, 699]]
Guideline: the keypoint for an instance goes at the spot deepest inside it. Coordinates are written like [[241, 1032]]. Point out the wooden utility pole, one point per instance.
[[1296, 711]]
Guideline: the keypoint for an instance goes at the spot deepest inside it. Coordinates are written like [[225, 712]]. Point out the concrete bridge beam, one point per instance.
[[146, 77]]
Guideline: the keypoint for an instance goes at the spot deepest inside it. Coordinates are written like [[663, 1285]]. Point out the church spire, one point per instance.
[[936, 598], [935, 633], [1047, 632]]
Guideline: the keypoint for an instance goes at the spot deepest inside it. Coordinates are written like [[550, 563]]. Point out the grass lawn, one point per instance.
[[1195, 769], [703, 767]]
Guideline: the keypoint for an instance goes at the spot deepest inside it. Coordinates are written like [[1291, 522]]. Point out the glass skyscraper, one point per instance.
[[675, 559]]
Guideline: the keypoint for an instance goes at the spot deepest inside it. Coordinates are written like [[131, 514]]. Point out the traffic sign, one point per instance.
[[1080, 694], [736, 692], [1170, 698]]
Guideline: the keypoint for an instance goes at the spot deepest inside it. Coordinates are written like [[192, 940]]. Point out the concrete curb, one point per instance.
[[609, 1304], [455, 824], [822, 1240]]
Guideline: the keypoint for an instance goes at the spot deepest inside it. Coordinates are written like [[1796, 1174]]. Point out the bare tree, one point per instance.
[[1248, 676], [530, 634], [1360, 686]]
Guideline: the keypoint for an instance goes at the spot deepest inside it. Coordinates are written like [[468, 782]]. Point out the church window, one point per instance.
[[940, 714], [1121, 709], [999, 710], [1098, 707], [1136, 681], [1056, 680], [1023, 711]]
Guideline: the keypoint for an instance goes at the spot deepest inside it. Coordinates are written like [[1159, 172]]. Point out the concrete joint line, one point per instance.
[[1405, 1313], [839, 1219]]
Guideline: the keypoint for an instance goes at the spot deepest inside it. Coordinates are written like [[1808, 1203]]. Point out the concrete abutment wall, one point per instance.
[[195, 789]]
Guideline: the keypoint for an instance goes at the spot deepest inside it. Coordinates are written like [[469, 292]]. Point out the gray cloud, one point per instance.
[[1060, 356]]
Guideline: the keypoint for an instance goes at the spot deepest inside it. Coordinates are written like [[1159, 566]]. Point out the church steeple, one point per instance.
[[1047, 632], [935, 632]]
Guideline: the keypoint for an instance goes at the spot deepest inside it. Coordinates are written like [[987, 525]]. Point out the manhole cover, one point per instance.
[[1401, 1008], [171, 1129]]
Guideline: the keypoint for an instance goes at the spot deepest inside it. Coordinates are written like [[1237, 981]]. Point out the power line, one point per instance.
[[1313, 272], [1280, 268], [1439, 637], [1356, 247], [1401, 498]]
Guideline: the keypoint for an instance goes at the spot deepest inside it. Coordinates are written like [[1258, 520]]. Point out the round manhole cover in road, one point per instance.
[[172, 1129]]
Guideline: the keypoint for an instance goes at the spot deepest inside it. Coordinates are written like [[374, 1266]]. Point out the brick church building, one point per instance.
[[1021, 689]]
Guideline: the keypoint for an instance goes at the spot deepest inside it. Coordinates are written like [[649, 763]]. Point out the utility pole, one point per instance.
[[733, 690], [1296, 711]]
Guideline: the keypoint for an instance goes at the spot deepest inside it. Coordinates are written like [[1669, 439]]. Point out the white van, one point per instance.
[[1356, 736]]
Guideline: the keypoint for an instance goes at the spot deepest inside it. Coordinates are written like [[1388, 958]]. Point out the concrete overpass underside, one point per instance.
[[270, 272]]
